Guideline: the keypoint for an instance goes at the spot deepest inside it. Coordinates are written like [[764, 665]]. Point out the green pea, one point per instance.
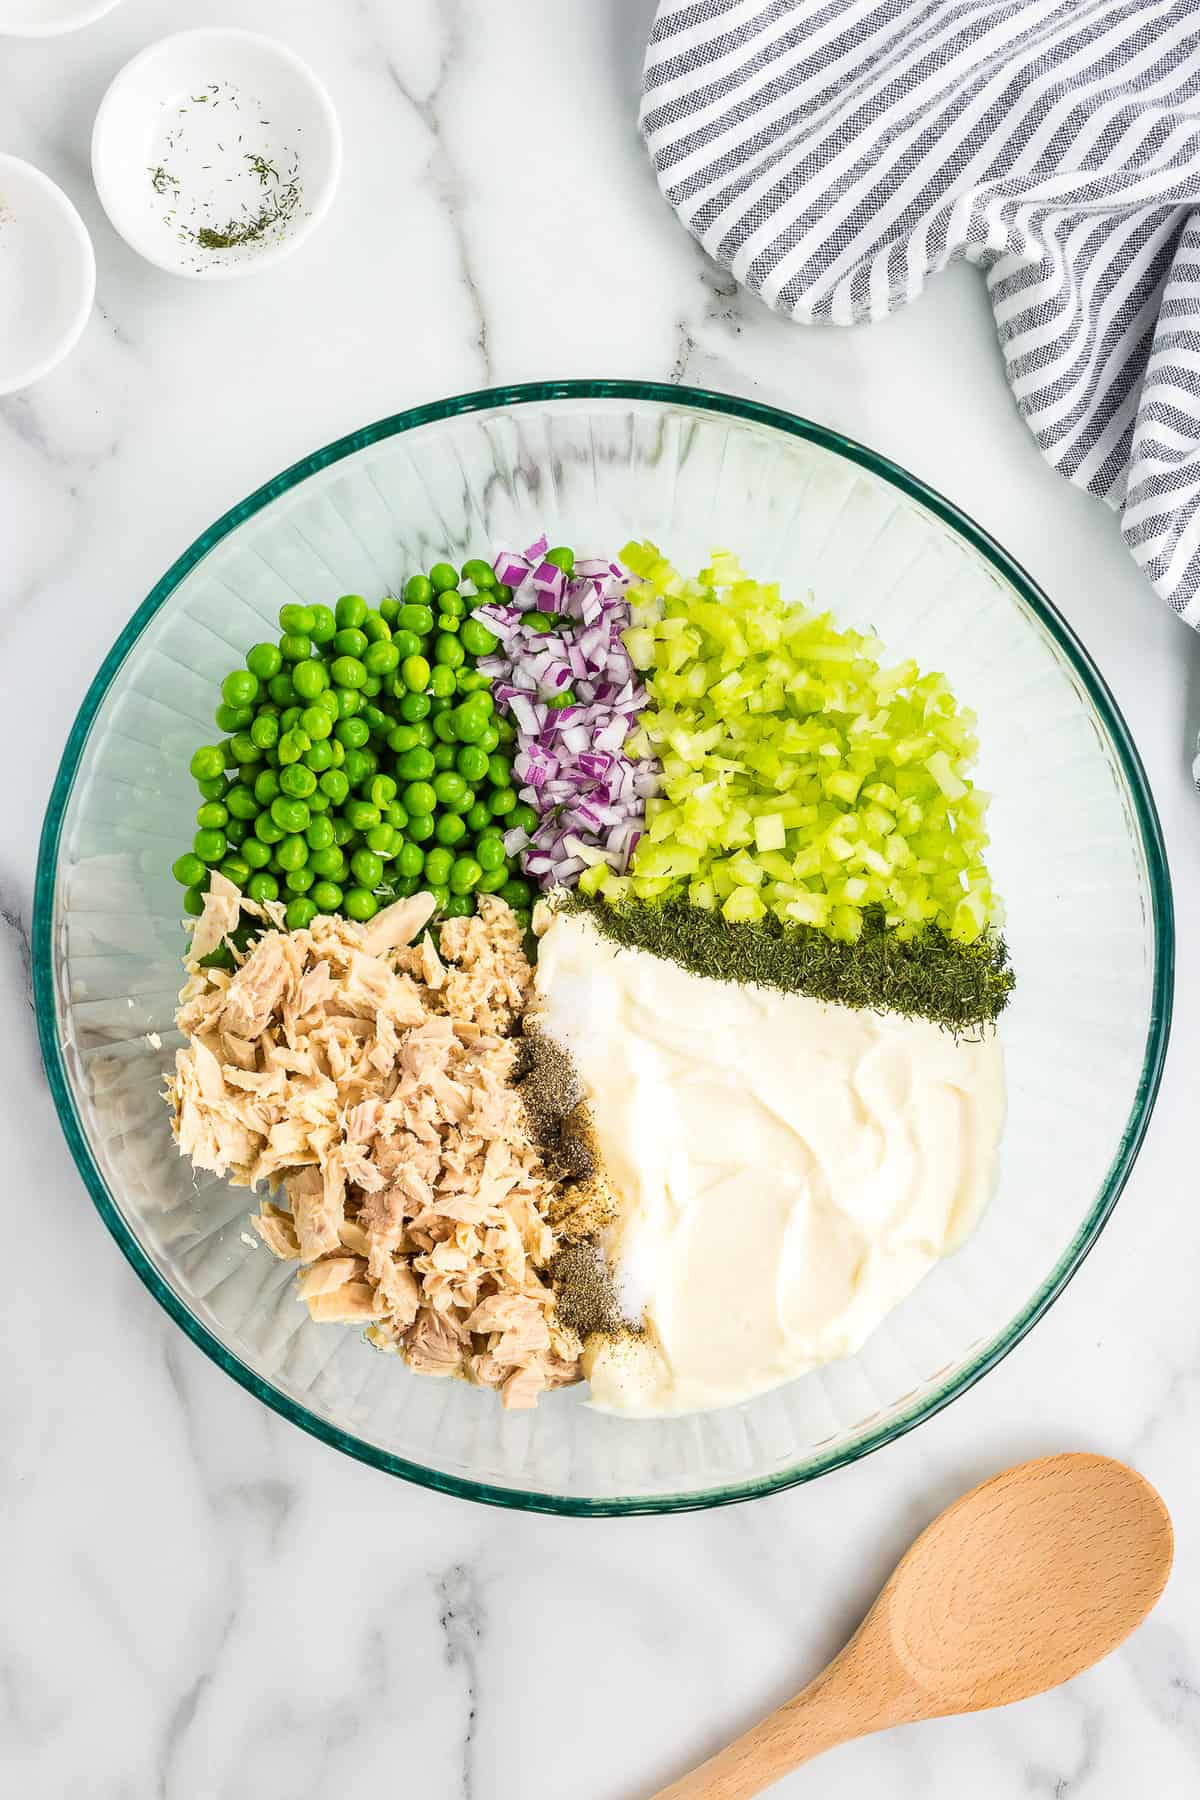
[[295, 620], [264, 661], [522, 918], [240, 688], [381, 658], [565, 697], [490, 741], [263, 886], [448, 650], [469, 681], [443, 755], [295, 647], [193, 901], [441, 680], [350, 611], [317, 801], [492, 880], [414, 706], [189, 869], [212, 816], [489, 853], [299, 880], [360, 815], [449, 787], [281, 690], [348, 672], [233, 718], [459, 906], [395, 815], [470, 720], [406, 643], [472, 764], [381, 791], [216, 789], [326, 896], [297, 781], [372, 686], [384, 840], [292, 745], [360, 904], [266, 830], [478, 818], [335, 784], [353, 733], [450, 829], [350, 641], [445, 728], [464, 875], [290, 717], [240, 802], [419, 796], [338, 752], [442, 577], [502, 801], [438, 864], [228, 759], [310, 679], [358, 765], [323, 624], [210, 846], [448, 621], [517, 893], [300, 914], [266, 786], [425, 733], [315, 720], [507, 732], [375, 628], [349, 702], [525, 817], [421, 827], [290, 815], [367, 868], [540, 622], [402, 738], [410, 859], [235, 830], [561, 557], [476, 639], [415, 673], [479, 572], [417, 590], [329, 864], [207, 763], [377, 721], [389, 606], [255, 852], [265, 731], [415, 765], [319, 833], [292, 853]]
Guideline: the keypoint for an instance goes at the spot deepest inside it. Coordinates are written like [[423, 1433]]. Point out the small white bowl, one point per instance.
[[47, 275], [216, 153], [49, 18]]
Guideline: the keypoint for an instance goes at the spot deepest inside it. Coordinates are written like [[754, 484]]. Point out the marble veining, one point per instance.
[[197, 1601]]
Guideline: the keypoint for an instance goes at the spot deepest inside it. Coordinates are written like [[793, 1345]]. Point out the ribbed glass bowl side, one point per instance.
[[1074, 834]]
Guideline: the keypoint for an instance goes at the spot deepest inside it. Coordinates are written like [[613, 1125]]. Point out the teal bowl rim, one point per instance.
[[45, 1000]]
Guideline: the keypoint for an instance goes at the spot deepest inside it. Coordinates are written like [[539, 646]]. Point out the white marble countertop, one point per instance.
[[198, 1601]]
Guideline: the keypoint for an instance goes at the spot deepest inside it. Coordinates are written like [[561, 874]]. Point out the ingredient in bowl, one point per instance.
[[368, 1078], [364, 762], [800, 778], [786, 1171], [563, 674]]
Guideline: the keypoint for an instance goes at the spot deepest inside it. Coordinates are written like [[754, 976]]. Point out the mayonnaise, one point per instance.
[[786, 1170]]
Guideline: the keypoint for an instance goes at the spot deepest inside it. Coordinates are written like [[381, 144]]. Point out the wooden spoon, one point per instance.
[[1023, 1583]]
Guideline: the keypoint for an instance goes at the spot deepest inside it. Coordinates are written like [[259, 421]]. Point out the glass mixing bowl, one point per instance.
[[1075, 841]]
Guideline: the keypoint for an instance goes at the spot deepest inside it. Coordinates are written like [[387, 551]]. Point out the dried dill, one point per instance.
[[931, 976], [276, 210], [162, 182]]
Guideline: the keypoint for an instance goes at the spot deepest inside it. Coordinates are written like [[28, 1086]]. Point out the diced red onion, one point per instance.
[[537, 550]]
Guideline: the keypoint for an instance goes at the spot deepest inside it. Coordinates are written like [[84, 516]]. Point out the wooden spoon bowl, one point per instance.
[[1019, 1586]]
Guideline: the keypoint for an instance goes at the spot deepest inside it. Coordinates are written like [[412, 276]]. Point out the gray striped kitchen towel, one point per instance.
[[833, 153]]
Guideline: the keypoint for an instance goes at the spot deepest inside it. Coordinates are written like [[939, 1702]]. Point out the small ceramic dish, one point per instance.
[[216, 153], [49, 18], [47, 275]]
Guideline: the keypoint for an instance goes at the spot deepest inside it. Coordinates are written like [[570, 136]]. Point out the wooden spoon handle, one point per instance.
[[830, 1711]]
